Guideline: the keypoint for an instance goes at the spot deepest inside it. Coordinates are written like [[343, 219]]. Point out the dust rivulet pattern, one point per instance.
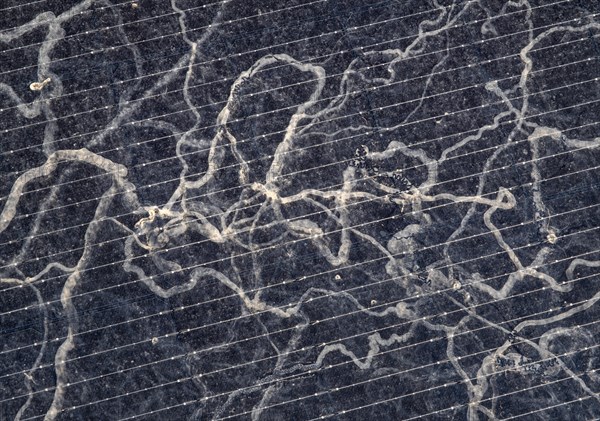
[[299, 210]]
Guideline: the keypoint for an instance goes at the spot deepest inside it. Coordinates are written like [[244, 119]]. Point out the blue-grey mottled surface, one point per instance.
[[299, 210]]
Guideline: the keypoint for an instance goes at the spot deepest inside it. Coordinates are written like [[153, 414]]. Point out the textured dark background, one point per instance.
[[297, 210]]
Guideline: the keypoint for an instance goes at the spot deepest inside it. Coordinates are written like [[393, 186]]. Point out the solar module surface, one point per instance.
[[299, 210]]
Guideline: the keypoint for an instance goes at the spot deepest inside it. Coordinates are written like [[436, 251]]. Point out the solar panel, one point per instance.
[[299, 210]]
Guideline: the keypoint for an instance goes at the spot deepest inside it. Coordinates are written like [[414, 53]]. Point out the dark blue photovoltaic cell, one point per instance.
[[299, 210]]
